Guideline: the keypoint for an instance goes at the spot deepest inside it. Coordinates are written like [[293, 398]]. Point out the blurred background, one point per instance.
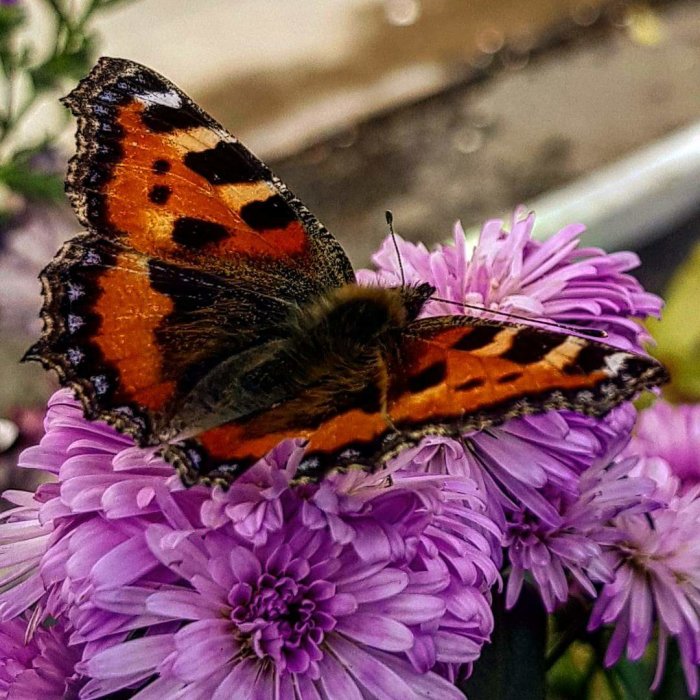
[[583, 110]]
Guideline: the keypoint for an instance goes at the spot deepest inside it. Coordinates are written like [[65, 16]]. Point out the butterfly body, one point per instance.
[[205, 310], [333, 352]]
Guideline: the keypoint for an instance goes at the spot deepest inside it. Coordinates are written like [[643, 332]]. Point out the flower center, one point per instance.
[[283, 619]]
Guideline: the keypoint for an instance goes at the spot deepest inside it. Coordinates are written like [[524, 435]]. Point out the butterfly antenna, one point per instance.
[[390, 222], [593, 332]]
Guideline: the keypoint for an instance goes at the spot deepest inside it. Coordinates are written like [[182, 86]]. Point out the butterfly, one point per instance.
[[206, 311]]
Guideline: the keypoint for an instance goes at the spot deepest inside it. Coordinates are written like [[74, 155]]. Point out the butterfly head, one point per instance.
[[414, 298]]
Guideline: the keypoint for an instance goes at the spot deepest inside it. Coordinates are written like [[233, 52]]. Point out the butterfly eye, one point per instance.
[[414, 298]]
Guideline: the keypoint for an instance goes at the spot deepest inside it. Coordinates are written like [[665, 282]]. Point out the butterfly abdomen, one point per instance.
[[329, 356]]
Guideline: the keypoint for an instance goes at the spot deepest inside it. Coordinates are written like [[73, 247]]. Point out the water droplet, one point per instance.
[[585, 13], [490, 40], [9, 432], [468, 140], [402, 13]]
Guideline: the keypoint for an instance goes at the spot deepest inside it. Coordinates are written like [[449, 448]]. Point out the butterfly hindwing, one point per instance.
[[132, 335]]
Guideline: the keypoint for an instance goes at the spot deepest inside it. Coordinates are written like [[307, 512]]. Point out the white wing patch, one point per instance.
[[167, 99]]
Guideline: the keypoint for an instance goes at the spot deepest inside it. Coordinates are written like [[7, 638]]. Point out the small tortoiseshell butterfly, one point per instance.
[[207, 311]]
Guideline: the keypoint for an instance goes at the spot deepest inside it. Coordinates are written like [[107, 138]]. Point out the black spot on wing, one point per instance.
[[369, 399], [159, 194], [270, 213], [161, 166], [531, 345], [165, 119], [510, 377], [197, 233], [590, 358], [225, 164], [470, 384], [477, 338], [425, 379]]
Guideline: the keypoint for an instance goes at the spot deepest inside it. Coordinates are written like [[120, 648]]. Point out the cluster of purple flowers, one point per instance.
[[117, 579]]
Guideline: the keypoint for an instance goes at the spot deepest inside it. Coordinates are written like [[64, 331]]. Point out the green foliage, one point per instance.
[[30, 71], [678, 333]]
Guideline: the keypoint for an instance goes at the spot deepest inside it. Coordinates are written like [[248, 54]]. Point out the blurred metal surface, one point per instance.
[[634, 200], [517, 131]]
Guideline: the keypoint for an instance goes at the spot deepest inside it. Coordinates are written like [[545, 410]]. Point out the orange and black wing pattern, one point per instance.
[[131, 334], [193, 251], [449, 375], [156, 173]]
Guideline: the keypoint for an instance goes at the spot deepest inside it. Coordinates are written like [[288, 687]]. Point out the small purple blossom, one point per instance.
[[656, 555], [47, 227], [672, 434], [574, 549], [657, 584], [37, 662]]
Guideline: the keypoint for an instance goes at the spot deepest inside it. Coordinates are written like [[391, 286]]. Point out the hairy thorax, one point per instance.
[[328, 354], [337, 351], [349, 321]]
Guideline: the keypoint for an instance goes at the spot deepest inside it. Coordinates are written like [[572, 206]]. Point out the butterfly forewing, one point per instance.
[[450, 375], [155, 171]]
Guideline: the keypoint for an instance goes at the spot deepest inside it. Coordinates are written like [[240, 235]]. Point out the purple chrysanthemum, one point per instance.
[[300, 614], [530, 466], [85, 543], [37, 662], [655, 557], [575, 548], [672, 434], [521, 462], [555, 280], [92, 517]]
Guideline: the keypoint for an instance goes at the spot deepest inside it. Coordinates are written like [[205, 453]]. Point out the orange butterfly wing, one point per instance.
[[451, 375], [158, 174], [194, 251]]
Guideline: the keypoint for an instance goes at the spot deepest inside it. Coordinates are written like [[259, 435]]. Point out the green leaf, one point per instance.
[[21, 178], [70, 64], [512, 667], [673, 685], [569, 676], [633, 678], [11, 17], [678, 333]]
